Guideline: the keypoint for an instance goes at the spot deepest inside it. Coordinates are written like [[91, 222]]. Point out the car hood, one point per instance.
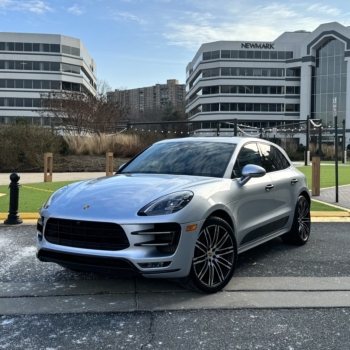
[[120, 196]]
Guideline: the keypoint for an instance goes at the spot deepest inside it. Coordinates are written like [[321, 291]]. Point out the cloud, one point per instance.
[[243, 21], [325, 9], [126, 16], [76, 10], [35, 6]]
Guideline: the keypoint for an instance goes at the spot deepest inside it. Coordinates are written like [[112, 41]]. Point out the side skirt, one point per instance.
[[257, 242]]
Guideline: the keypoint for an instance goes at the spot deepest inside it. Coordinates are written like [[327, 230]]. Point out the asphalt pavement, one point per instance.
[[281, 297], [273, 275]]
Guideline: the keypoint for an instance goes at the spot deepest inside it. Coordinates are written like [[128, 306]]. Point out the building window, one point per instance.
[[244, 107], [328, 81]]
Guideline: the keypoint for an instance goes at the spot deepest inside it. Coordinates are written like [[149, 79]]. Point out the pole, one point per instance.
[[320, 142], [307, 139], [343, 150], [336, 158], [235, 127], [218, 129], [13, 217]]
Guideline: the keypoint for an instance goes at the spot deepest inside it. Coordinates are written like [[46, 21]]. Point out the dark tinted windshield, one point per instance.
[[185, 158]]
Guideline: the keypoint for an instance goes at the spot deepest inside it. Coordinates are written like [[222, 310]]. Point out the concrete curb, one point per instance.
[[129, 295]]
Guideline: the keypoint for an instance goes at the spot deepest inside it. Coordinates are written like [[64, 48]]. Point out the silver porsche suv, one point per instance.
[[181, 209]]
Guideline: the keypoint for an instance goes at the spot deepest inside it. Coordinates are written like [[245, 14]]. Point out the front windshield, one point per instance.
[[198, 158]]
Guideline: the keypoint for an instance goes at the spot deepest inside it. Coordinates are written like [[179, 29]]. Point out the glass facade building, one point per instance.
[[266, 84], [329, 81]]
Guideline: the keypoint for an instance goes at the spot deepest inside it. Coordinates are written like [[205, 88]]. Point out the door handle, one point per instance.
[[269, 187], [294, 181]]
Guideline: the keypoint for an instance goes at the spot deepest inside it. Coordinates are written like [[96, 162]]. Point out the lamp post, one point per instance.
[[335, 115]]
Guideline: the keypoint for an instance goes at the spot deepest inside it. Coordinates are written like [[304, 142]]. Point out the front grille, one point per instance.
[[86, 234]]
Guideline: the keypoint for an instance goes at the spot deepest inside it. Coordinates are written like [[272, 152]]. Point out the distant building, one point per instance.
[[32, 64], [150, 98], [269, 84]]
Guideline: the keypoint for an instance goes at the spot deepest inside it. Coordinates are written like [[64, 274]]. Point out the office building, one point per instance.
[[269, 84], [32, 64]]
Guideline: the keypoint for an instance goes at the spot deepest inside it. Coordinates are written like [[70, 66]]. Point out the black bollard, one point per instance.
[[13, 217]]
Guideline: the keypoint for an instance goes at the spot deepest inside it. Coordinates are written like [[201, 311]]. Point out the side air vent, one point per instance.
[[165, 237]]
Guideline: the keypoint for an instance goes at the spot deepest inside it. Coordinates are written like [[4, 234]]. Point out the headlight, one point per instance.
[[169, 204], [54, 196]]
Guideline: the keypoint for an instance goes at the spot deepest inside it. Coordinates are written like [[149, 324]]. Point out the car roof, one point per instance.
[[234, 140]]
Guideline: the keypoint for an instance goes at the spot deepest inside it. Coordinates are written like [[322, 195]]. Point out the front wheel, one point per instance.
[[215, 257], [300, 231]]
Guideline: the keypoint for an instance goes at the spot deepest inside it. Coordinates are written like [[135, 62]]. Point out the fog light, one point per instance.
[[152, 265]]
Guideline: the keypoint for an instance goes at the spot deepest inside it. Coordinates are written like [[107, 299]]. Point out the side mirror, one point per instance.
[[249, 171]]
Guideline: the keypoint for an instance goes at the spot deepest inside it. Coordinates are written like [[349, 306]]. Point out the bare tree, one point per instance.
[[82, 113]]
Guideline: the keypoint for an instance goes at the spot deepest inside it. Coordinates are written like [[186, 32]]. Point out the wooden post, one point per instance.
[[109, 163], [316, 176], [48, 162]]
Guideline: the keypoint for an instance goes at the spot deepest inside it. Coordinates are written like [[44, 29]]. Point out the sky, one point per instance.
[[138, 43]]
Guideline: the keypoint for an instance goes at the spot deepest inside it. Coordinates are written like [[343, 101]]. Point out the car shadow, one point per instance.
[[268, 259]]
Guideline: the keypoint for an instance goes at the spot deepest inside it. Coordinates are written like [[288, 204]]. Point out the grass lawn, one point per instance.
[[315, 206], [31, 196], [328, 175]]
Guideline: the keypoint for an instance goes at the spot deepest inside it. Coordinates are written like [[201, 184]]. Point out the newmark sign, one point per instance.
[[257, 46]]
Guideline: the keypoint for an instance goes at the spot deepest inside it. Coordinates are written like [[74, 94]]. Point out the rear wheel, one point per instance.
[[300, 231], [215, 257]]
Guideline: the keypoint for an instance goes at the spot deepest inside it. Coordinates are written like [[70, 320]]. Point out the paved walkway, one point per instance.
[[127, 295], [26, 178], [327, 195]]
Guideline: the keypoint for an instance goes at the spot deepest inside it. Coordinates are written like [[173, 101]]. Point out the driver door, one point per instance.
[[253, 205]]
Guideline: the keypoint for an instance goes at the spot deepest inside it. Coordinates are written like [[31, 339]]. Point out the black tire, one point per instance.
[[215, 257], [300, 231]]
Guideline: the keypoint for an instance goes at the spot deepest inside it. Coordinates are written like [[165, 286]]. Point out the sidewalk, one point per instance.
[[27, 178], [327, 195], [135, 295]]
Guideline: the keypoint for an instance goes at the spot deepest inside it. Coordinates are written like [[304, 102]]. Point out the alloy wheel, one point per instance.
[[214, 255], [304, 219]]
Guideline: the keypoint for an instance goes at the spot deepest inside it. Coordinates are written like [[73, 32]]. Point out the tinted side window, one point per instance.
[[285, 162], [272, 158], [249, 154]]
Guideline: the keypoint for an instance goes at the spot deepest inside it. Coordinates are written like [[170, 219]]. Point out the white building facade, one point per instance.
[[32, 64], [269, 84]]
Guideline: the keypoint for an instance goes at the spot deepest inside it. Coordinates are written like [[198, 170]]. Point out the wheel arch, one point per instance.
[[306, 195], [222, 214]]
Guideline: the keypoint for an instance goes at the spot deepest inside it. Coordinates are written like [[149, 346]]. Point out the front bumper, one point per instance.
[[139, 258]]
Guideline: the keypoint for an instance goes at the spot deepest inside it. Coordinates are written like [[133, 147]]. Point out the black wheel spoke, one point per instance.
[[204, 270], [218, 272], [199, 259], [202, 247], [223, 240], [225, 263]]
